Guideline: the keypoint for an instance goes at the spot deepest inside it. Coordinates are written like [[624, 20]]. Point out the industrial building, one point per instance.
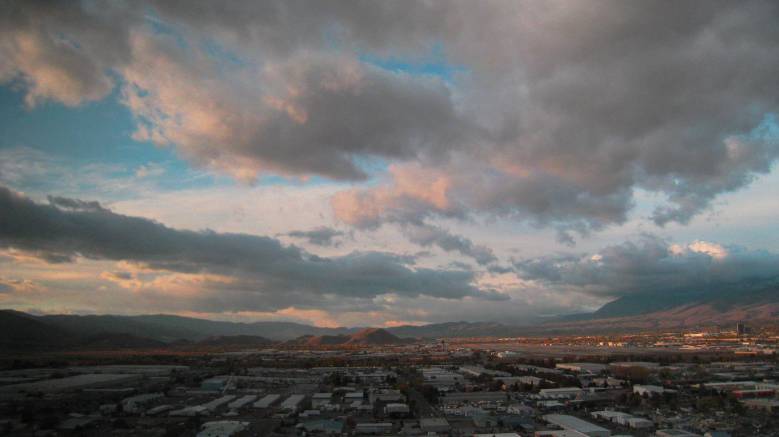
[[593, 368], [293, 403], [267, 401], [572, 423], [72, 383]]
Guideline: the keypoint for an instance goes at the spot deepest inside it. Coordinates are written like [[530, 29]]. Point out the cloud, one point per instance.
[[557, 113], [321, 236], [653, 266], [264, 273], [75, 204], [314, 114], [428, 235]]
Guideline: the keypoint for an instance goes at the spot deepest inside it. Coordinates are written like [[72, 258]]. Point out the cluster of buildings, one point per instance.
[[421, 390]]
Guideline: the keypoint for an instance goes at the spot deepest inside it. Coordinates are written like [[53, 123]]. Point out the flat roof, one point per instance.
[[70, 382], [571, 422]]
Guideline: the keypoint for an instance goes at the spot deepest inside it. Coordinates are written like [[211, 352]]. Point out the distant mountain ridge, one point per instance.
[[168, 328], [630, 313], [364, 337]]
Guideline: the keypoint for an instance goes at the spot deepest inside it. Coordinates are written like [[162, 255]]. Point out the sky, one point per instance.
[[353, 163]]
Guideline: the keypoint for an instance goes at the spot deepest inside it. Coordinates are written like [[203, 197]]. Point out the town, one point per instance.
[[723, 383]]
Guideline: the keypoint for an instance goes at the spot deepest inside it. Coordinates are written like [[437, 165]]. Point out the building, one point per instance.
[[593, 368], [218, 402], [373, 428], [571, 423], [213, 384], [267, 401], [674, 433], [241, 402], [767, 405], [474, 396], [646, 365], [477, 371], [558, 433], [222, 428], [649, 390], [521, 380], [135, 404], [323, 426], [639, 423], [72, 383], [138, 369], [611, 416], [499, 434], [397, 410], [386, 395], [319, 400], [439, 377], [434, 424], [562, 392], [293, 403]]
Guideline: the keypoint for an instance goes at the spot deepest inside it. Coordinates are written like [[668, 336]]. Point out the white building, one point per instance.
[[293, 403], [396, 409], [562, 392], [267, 401], [241, 402], [222, 428], [649, 390], [572, 423]]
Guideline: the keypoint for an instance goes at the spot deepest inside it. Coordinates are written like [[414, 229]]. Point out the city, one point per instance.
[[673, 384]]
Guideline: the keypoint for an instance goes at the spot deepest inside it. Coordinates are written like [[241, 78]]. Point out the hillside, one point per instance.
[[688, 316], [723, 299], [21, 331], [233, 341], [364, 337]]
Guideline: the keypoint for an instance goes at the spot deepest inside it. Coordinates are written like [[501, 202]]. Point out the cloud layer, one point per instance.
[[555, 113], [259, 270], [654, 267]]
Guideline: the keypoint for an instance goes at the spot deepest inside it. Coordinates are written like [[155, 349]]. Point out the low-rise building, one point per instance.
[[318, 400], [222, 428], [562, 392], [593, 368], [434, 424], [135, 404], [267, 401], [293, 403], [572, 423]]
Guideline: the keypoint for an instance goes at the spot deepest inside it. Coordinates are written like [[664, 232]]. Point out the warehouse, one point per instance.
[[292, 403], [267, 401], [575, 424], [72, 383], [241, 402]]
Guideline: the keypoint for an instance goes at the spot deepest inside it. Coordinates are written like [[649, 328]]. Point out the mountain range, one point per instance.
[[631, 313]]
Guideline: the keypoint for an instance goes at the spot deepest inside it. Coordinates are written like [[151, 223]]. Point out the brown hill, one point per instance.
[[373, 336], [365, 337]]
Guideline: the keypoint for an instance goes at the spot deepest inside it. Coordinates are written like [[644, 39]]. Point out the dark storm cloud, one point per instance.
[[652, 266], [558, 113], [321, 236], [75, 204], [429, 235], [258, 264]]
